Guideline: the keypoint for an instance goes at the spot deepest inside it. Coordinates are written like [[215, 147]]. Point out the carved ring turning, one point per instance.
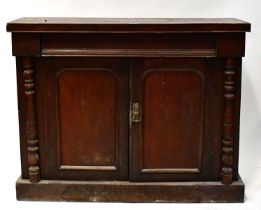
[[228, 122], [31, 124]]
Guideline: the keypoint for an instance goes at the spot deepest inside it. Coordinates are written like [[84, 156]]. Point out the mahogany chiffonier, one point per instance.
[[129, 110]]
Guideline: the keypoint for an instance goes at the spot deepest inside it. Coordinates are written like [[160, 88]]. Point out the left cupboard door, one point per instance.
[[83, 107]]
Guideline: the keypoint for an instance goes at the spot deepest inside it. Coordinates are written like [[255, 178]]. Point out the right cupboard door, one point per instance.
[[176, 119]]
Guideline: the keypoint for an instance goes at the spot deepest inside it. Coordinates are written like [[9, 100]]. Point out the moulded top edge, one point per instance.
[[53, 24]]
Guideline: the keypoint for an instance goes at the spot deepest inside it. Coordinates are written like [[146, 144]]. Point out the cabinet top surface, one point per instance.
[[52, 24]]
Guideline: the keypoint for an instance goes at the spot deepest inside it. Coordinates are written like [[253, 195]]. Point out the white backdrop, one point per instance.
[[250, 133]]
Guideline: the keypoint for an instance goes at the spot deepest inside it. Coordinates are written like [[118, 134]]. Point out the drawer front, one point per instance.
[[83, 114], [129, 45], [176, 124]]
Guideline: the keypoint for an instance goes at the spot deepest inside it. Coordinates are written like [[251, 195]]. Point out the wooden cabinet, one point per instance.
[[129, 109]]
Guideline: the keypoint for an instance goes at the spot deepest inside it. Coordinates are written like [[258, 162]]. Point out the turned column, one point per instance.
[[31, 124], [228, 122]]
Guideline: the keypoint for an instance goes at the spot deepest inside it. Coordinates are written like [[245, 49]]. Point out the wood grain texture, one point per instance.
[[26, 44], [31, 123], [123, 25], [160, 192], [173, 98], [228, 121], [22, 118], [88, 113], [133, 41], [178, 108], [129, 110], [120, 45], [85, 118], [126, 53]]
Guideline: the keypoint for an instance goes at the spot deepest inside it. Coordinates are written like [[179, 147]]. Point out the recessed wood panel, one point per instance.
[[173, 121], [88, 113], [85, 115]]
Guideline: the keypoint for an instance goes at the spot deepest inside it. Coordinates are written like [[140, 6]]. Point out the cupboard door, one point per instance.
[[84, 106], [176, 119]]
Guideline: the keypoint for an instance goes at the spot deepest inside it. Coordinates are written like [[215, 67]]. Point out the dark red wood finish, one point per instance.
[[122, 25], [135, 101], [85, 117], [182, 105]]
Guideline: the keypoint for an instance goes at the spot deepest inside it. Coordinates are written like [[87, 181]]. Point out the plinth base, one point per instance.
[[125, 191]]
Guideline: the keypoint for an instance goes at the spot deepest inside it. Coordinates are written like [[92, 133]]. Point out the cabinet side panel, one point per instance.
[[22, 118], [238, 70], [87, 118], [173, 121]]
